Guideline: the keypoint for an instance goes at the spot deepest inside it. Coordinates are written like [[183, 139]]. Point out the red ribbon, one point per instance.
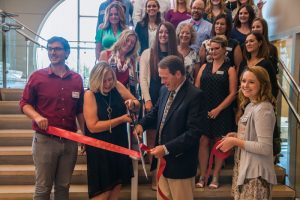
[[216, 153], [162, 165], [92, 142]]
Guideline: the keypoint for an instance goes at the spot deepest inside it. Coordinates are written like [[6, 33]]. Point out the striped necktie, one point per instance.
[[167, 108]]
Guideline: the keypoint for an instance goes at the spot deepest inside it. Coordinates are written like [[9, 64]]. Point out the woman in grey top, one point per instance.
[[254, 172]]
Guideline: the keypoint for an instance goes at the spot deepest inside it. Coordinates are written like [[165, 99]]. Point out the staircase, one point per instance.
[[17, 170]]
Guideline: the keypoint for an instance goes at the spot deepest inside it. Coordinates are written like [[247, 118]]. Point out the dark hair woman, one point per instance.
[[261, 26], [242, 23], [222, 27], [146, 28]]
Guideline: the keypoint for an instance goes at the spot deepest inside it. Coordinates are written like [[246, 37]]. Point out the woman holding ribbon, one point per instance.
[[105, 107], [253, 172]]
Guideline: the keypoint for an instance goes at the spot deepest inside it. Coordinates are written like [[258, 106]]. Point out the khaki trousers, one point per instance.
[[176, 189]]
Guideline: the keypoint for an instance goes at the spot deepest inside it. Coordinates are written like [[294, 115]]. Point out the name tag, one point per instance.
[[75, 95], [220, 72]]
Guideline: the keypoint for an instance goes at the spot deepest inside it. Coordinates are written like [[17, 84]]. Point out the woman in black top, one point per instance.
[[242, 23], [256, 53], [146, 28], [261, 26], [222, 27]]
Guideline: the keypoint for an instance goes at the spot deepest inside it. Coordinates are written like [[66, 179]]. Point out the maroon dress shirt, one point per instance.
[[57, 99]]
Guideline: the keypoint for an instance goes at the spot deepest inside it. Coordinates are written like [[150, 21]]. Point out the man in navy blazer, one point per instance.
[[177, 138]]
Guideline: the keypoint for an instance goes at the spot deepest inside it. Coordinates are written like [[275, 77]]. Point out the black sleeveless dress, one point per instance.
[[107, 169], [216, 88]]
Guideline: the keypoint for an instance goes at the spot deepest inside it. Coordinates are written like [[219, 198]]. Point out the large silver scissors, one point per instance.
[[134, 123]]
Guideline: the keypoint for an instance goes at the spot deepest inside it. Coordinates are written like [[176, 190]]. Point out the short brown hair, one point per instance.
[[173, 63], [192, 31]]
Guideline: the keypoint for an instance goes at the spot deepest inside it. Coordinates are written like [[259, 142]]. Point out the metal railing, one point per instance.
[[15, 34], [289, 105], [21, 45]]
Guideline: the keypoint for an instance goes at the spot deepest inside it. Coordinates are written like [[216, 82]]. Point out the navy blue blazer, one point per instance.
[[184, 124], [142, 33]]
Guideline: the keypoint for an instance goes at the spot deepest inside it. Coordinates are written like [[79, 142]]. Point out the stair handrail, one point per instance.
[[289, 103], [8, 15], [27, 37], [285, 95], [284, 67]]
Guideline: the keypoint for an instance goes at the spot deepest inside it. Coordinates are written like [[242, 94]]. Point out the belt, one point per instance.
[[53, 136]]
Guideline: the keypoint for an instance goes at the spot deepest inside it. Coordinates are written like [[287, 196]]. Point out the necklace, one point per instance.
[[152, 28], [184, 51], [109, 111]]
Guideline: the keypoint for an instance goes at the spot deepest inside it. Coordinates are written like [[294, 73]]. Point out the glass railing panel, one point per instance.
[[288, 111], [16, 59], [285, 50]]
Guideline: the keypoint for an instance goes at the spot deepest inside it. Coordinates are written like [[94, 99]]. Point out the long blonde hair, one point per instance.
[[187, 6], [98, 74], [209, 8], [122, 39], [121, 13], [265, 91]]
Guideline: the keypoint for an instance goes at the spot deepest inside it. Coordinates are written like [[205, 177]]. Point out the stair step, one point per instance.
[[15, 121], [79, 192], [8, 94], [22, 155], [10, 107], [24, 174], [16, 137]]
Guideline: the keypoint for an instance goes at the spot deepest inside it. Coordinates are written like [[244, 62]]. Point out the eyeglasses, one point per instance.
[[55, 49]]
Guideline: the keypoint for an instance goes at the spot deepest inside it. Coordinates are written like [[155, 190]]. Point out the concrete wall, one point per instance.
[[282, 16], [31, 12]]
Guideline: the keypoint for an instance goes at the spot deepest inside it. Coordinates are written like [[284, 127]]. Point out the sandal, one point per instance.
[[201, 182], [214, 183]]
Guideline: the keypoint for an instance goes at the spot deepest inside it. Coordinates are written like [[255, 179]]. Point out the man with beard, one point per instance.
[[202, 27]]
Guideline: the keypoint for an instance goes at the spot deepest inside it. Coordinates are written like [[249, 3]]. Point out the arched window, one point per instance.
[[75, 21]]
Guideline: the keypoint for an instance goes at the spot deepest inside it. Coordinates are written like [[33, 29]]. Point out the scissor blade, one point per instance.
[[142, 157]]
